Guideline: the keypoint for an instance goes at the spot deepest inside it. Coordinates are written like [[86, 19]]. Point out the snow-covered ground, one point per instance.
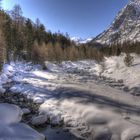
[[115, 68], [90, 106]]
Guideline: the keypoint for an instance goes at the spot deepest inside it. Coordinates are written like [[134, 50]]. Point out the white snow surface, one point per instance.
[[10, 126], [80, 40], [71, 92], [115, 68]]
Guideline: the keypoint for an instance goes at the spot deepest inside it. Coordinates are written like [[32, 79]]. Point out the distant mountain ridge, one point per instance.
[[125, 27], [80, 40]]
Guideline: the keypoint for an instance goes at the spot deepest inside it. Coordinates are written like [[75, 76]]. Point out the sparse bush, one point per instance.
[[128, 60], [103, 67]]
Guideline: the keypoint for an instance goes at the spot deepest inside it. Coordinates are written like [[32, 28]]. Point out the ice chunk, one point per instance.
[[10, 113], [19, 131]]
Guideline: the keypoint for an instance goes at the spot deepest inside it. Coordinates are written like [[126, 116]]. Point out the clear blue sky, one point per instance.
[[80, 18]]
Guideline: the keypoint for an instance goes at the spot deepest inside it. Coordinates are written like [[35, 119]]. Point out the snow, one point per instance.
[[124, 27], [51, 111], [116, 69], [38, 100], [2, 90], [11, 128], [8, 70], [26, 111], [80, 40], [39, 120], [71, 92]]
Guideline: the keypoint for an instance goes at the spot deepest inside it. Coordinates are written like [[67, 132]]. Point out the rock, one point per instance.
[[56, 119], [26, 111], [120, 81], [10, 113], [126, 117], [21, 99], [39, 120], [2, 90], [13, 100], [126, 89], [38, 100]]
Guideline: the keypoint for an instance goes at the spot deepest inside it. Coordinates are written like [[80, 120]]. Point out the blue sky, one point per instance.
[[80, 18]]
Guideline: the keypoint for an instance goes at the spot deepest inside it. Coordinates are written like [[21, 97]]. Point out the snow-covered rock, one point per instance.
[[11, 128], [38, 100], [10, 113], [39, 120], [2, 90], [8, 69], [26, 111], [52, 112]]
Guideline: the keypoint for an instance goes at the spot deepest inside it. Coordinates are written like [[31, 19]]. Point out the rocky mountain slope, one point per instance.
[[126, 25]]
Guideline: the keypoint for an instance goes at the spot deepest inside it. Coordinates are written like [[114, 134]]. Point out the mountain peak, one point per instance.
[[125, 27], [135, 1]]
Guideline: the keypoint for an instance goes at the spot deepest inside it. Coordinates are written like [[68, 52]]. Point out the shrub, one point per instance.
[[128, 60]]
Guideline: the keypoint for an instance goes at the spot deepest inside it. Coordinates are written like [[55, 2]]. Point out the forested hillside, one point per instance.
[[22, 39]]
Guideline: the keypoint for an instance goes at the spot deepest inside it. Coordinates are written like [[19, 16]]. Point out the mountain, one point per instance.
[[80, 40], [125, 27]]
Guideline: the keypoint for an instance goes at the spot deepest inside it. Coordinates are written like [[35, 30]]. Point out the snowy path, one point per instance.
[[91, 110]]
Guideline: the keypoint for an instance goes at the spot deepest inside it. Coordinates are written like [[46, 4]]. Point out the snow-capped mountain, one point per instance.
[[126, 25], [80, 40]]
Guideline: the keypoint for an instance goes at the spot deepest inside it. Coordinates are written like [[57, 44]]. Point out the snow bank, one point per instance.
[[112, 67], [53, 67], [8, 69], [11, 129], [92, 120], [116, 69], [7, 72], [15, 71], [71, 67]]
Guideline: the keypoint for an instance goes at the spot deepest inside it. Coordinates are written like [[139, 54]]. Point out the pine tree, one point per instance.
[[2, 39]]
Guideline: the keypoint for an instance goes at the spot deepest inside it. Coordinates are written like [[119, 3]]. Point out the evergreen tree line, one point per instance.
[[21, 38], [117, 48]]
